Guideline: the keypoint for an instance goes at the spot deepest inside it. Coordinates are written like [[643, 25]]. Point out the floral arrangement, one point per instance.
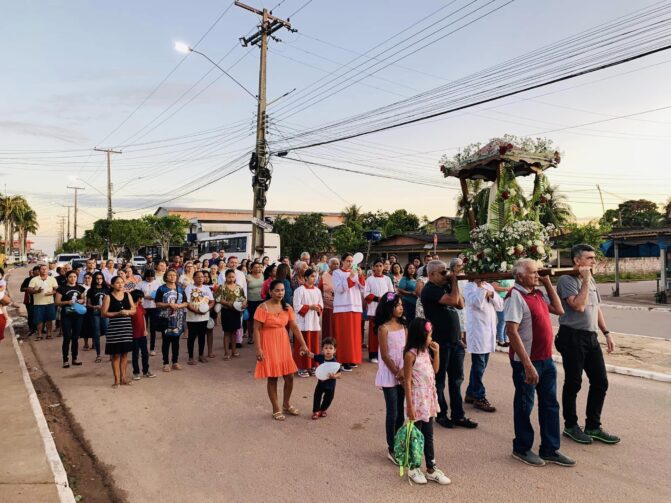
[[497, 251]]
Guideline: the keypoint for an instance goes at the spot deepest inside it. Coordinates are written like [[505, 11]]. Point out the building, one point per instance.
[[207, 222], [413, 245], [443, 225]]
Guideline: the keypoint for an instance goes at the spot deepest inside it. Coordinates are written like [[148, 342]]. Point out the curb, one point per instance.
[[65, 494], [638, 308], [643, 374]]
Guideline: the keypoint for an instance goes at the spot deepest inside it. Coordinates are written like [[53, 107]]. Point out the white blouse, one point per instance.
[[376, 286], [347, 298], [308, 319]]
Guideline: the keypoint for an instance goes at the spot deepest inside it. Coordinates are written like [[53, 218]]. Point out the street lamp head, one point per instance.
[[182, 47]]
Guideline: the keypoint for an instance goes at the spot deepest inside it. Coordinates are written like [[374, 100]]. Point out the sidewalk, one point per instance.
[[28, 456]]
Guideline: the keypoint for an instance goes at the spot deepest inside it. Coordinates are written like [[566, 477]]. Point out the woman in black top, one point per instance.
[[119, 307], [67, 295], [94, 302]]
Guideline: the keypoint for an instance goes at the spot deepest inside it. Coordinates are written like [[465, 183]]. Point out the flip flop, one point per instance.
[[292, 410], [98, 359], [278, 416]]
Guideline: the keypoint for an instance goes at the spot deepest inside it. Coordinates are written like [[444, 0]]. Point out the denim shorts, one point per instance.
[[46, 312]]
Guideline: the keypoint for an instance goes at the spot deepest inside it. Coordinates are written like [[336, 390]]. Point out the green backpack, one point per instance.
[[408, 446]]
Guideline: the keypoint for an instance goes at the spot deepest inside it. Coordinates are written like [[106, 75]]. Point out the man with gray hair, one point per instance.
[[305, 257], [441, 300], [527, 314], [580, 350]]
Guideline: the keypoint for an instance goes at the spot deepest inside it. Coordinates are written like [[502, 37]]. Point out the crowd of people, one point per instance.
[[417, 322]]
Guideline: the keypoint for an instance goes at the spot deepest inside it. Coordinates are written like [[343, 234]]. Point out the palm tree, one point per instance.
[[10, 207], [555, 209], [26, 223], [351, 214]]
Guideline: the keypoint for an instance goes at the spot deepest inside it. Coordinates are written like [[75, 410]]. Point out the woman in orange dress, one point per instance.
[[273, 350]]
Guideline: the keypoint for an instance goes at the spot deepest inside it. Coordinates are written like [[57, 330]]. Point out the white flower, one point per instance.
[[538, 242], [529, 243], [510, 251], [540, 249], [519, 248], [504, 266], [487, 251]]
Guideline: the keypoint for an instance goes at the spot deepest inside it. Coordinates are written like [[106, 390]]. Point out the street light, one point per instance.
[[183, 48]]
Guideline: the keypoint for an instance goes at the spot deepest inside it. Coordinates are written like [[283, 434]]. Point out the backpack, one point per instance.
[[408, 446]]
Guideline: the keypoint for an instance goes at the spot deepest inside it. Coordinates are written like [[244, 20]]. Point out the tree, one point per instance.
[[93, 242], [26, 222], [400, 221], [10, 209], [590, 233], [554, 209], [72, 246], [138, 235], [634, 213], [349, 238], [166, 230], [306, 232], [351, 214], [667, 211]]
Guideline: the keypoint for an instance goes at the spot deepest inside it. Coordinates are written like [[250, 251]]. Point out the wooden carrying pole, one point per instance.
[[496, 276]]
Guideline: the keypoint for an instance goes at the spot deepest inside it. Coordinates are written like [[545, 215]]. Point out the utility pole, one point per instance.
[[603, 208], [258, 163], [76, 189], [61, 231], [68, 206], [109, 178]]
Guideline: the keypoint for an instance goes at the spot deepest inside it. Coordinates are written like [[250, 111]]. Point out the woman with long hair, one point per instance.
[[283, 274], [171, 301], [377, 285], [348, 285], [67, 295], [269, 274], [149, 286], [273, 350], [200, 299], [94, 301], [118, 307], [230, 293], [396, 275], [406, 287], [87, 326]]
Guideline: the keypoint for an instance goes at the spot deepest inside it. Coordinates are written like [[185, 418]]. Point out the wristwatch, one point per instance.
[[606, 333]]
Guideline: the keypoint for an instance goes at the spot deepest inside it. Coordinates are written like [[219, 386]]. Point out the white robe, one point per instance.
[[347, 298], [481, 317], [308, 322], [376, 286]]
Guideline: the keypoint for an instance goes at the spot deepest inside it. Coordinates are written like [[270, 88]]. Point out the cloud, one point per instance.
[[42, 130]]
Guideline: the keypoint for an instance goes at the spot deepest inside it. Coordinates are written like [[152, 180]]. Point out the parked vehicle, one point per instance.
[[65, 258], [239, 245], [139, 261]]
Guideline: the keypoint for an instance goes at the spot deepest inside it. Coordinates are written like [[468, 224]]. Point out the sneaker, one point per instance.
[[438, 476], [416, 476], [77, 363], [152, 353], [373, 360], [391, 458], [464, 422], [469, 399], [353, 365], [576, 434], [483, 404], [136, 377], [346, 368], [149, 375], [176, 366], [444, 422], [166, 368], [559, 459], [66, 365], [602, 436], [529, 458], [303, 373]]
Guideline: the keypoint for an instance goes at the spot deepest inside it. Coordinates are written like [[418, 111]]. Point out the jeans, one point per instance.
[[169, 342], [426, 427], [500, 327], [72, 327], [476, 388], [451, 367], [324, 394], [98, 328], [393, 398], [580, 350], [197, 330], [548, 408], [140, 346], [150, 315]]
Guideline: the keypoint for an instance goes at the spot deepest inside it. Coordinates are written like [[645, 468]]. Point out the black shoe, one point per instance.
[[346, 368], [577, 435], [559, 459], [464, 422], [469, 399], [529, 458], [66, 365], [76, 364], [353, 365], [602, 436], [483, 404], [444, 422]]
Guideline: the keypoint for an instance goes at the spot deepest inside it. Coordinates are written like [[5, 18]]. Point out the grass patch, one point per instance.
[[626, 276]]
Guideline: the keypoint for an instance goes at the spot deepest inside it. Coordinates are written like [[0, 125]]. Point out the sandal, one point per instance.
[[115, 385], [227, 357], [49, 337], [278, 416], [316, 415], [292, 410], [212, 356], [39, 338], [236, 354], [322, 413], [98, 359]]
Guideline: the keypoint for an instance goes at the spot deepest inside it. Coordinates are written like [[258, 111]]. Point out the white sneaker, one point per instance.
[[438, 476], [417, 476], [373, 360]]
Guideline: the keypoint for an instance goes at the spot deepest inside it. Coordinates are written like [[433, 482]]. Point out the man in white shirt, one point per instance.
[[482, 303]]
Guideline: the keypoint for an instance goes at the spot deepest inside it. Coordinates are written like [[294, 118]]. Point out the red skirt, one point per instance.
[[312, 342], [3, 323], [373, 344], [327, 323], [347, 331]]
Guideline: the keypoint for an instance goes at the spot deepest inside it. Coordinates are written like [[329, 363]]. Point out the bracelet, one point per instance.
[[606, 333]]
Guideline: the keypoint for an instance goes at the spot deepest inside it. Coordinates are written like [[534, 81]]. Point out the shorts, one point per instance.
[[43, 313]]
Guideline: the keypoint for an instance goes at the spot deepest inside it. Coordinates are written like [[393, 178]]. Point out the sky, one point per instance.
[[79, 75]]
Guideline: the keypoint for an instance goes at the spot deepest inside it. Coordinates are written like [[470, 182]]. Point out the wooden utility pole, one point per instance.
[[109, 178], [76, 189], [603, 207], [61, 231], [68, 206], [258, 164]]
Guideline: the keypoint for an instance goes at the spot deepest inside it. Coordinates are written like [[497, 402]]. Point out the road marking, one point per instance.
[[638, 308], [630, 335]]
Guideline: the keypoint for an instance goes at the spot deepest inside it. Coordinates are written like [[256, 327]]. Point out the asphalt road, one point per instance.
[[205, 434]]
